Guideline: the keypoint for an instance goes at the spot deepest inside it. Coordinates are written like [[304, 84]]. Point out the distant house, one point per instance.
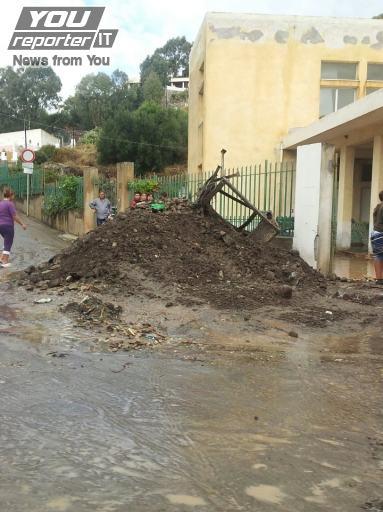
[[178, 83], [177, 92], [14, 141]]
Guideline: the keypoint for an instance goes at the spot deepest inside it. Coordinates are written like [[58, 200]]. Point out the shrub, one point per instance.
[[143, 186], [51, 175], [90, 137], [63, 199], [45, 153]]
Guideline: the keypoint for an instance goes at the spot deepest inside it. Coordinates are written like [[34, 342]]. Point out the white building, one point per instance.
[[178, 83], [339, 176], [14, 141]]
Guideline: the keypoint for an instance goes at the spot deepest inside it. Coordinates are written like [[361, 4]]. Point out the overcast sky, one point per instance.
[[145, 25]]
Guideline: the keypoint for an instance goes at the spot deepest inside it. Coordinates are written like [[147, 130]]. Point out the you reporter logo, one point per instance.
[[61, 28]]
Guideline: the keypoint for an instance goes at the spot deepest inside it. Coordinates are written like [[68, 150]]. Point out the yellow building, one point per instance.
[[253, 78]]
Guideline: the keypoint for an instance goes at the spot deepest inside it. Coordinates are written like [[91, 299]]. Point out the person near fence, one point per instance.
[[377, 239], [136, 199], [8, 217], [101, 205], [143, 202]]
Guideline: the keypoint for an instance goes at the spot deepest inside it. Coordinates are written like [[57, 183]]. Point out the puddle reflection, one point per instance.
[[358, 266]]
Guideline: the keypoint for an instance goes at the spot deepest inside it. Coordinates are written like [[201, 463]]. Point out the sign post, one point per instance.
[[28, 156]]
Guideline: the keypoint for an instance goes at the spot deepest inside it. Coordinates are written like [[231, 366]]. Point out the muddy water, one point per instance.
[[88, 431], [358, 266]]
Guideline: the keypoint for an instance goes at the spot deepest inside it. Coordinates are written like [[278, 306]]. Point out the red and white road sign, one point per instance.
[[28, 156]]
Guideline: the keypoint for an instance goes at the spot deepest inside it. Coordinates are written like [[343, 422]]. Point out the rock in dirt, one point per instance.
[[373, 505], [54, 283], [286, 291]]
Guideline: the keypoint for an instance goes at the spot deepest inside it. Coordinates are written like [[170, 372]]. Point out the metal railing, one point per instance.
[[269, 186], [17, 181]]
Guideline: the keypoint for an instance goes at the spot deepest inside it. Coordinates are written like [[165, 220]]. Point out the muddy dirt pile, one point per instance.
[[189, 258]]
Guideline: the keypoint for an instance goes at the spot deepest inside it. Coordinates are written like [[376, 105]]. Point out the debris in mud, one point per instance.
[[373, 505], [360, 297], [133, 337], [124, 366], [189, 258], [117, 334], [92, 310], [313, 316], [57, 354]]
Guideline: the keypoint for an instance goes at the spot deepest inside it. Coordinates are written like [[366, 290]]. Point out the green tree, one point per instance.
[[152, 137], [90, 137], [124, 95], [170, 60], [153, 89], [119, 78], [26, 94], [378, 17], [158, 65], [91, 104], [96, 97]]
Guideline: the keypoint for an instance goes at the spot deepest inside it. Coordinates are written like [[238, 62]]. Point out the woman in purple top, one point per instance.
[[8, 217]]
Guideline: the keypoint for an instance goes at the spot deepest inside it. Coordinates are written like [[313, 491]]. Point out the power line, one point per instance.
[[68, 131]]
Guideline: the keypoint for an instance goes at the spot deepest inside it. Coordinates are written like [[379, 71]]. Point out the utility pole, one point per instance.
[[25, 133], [25, 145]]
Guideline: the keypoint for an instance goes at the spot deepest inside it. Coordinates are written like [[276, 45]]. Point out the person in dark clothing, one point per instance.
[[8, 217], [377, 239]]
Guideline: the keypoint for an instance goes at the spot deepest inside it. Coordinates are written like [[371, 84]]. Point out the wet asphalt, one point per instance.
[[86, 430]]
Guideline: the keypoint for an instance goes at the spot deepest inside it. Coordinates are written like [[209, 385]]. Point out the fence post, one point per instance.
[[125, 173], [90, 193]]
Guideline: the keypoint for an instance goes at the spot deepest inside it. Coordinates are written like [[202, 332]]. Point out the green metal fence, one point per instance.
[[17, 181], [269, 186], [55, 190], [359, 234]]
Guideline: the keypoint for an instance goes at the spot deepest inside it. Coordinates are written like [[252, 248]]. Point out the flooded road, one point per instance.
[[354, 266], [88, 431]]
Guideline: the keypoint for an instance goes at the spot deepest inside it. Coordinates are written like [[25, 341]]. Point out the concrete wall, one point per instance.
[[307, 201], [69, 222], [261, 77], [313, 205], [197, 91], [325, 247]]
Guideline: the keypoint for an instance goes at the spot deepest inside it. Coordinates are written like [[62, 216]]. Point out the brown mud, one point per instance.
[[180, 274], [193, 258]]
